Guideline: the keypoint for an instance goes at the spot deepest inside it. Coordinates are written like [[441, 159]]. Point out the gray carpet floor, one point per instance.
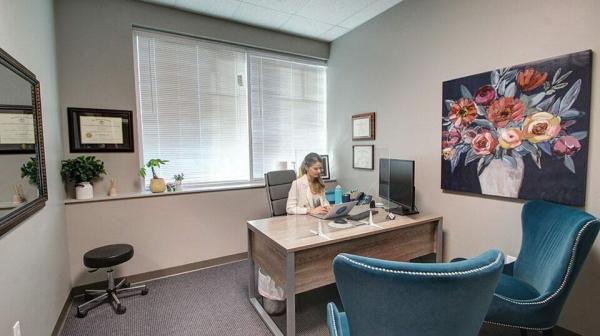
[[208, 302]]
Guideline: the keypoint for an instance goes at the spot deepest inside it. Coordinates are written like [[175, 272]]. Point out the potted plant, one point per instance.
[[29, 169], [82, 171], [178, 181], [157, 184]]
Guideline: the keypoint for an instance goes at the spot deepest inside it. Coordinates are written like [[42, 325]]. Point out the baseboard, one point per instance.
[[62, 317], [152, 275]]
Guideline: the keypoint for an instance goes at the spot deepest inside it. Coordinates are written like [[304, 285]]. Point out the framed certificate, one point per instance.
[[97, 130], [363, 157], [363, 126], [17, 130]]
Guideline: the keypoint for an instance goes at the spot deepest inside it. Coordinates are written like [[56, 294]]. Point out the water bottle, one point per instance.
[[338, 194]]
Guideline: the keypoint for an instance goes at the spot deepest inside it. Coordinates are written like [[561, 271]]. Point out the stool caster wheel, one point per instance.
[[81, 314], [121, 309], [145, 291]]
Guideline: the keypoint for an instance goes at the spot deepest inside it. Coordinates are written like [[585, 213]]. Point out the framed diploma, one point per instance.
[[363, 157], [17, 130], [363, 126], [96, 130]]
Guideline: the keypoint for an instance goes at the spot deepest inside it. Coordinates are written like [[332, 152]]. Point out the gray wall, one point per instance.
[[34, 281], [95, 60], [395, 65]]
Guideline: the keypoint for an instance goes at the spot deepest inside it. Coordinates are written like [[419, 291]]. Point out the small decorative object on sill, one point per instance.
[[282, 165], [171, 187], [157, 184], [82, 171], [112, 190], [17, 197], [178, 182]]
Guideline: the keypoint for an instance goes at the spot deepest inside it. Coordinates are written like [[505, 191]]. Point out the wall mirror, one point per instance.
[[23, 189]]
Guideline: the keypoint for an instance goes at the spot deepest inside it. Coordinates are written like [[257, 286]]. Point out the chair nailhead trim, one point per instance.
[[423, 273], [565, 278], [333, 320], [514, 326]]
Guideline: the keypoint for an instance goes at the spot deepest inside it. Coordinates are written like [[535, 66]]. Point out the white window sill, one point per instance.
[[187, 190]]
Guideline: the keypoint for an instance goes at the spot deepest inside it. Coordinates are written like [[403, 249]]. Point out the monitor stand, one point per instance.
[[403, 211]]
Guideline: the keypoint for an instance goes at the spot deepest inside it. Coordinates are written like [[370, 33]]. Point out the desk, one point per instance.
[[299, 260]]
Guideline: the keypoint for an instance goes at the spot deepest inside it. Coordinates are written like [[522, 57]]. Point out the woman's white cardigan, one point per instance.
[[300, 198]]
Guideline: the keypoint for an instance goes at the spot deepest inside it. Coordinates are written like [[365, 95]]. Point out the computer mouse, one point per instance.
[[340, 221]]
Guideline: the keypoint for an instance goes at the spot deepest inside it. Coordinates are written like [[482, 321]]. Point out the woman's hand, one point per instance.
[[319, 210]]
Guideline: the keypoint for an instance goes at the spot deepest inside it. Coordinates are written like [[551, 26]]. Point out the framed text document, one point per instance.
[[17, 130], [363, 126], [363, 157], [96, 130]]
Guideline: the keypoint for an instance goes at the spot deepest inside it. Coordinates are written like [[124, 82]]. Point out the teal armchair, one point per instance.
[[397, 298], [532, 290]]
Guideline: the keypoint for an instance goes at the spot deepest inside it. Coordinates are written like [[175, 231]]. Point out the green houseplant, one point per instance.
[[157, 184], [178, 181], [29, 169], [82, 171]]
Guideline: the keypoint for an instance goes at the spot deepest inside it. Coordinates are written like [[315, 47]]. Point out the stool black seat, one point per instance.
[[107, 257]]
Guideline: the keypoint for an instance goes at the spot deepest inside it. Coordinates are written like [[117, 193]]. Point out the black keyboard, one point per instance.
[[362, 215]]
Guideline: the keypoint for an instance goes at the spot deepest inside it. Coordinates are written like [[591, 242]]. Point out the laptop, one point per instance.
[[337, 210]]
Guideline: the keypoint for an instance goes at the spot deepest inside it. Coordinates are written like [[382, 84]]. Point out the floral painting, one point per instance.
[[519, 132]]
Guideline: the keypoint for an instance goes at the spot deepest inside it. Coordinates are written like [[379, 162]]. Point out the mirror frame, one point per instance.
[[20, 214]]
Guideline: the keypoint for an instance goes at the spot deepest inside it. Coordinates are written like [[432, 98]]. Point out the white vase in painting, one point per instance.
[[501, 179]]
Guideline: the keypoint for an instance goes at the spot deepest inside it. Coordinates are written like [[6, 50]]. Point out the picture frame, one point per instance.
[[363, 157], [363, 126], [325, 173], [100, 130], [27, 131]]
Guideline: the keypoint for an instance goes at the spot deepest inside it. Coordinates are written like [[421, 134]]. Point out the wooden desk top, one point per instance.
[[293, 232]]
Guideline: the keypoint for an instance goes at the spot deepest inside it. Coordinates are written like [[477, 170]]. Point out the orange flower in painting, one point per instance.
[[505, 110], [530, 79], [462, 112]]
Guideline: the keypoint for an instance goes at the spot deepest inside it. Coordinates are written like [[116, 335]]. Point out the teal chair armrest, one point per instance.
[[337, 323]]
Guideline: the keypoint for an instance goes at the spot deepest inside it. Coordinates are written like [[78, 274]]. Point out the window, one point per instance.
[[287, 110], [198, 109]]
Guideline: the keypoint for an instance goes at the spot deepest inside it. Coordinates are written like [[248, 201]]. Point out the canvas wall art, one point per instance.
[[519, 132]]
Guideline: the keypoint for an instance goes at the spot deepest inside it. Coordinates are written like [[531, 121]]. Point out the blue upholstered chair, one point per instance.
[[533, 289], [411, 299]]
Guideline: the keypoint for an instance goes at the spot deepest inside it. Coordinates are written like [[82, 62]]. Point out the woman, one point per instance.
[[306, 196]]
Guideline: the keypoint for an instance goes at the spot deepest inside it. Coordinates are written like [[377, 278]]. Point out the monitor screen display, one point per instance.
[[396, 181]]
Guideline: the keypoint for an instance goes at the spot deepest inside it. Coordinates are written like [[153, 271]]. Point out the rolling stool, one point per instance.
[[107, 257]]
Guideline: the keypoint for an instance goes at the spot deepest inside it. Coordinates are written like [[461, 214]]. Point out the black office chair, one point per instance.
[[107, 257], [278, 184]]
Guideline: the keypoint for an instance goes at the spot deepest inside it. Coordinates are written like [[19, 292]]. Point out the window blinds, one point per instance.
[[193, 107], [288, 111]]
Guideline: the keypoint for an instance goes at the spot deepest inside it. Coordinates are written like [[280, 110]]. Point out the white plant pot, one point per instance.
[[178, 185], [84, 190], [501, 179]]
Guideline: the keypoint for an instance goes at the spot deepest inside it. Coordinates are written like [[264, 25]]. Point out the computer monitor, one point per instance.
[[397, 184]]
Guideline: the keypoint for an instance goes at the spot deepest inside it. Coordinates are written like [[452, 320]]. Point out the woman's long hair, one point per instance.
[[309, 160]]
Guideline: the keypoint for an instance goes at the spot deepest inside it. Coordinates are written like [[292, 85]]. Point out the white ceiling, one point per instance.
[[319, 19]]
